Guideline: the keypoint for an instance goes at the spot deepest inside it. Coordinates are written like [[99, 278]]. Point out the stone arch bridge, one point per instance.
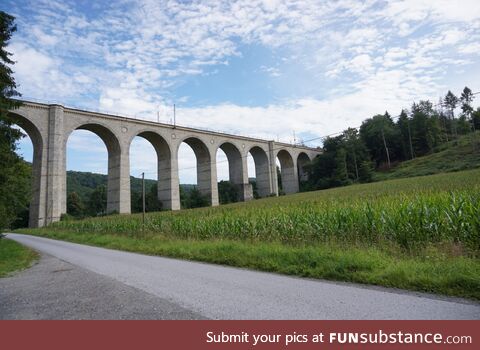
[[49, 127]]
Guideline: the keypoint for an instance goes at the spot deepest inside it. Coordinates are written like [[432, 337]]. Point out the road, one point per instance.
[[219, 292]]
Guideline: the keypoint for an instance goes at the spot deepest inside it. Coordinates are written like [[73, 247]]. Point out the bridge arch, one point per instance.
[[288, 171], [37, 210], [164, 165], [206, 168], [237, 169], [302, 160], [118, 163], [262, 171]]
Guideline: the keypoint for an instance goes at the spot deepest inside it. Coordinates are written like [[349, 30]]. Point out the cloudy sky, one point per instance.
[[259, 68]]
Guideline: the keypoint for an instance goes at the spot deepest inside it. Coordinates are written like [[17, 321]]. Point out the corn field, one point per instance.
[[409, 213]]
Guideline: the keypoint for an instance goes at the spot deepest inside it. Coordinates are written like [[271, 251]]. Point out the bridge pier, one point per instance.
[[53, 169], [118, 186]]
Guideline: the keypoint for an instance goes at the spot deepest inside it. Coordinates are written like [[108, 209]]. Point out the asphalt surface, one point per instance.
[[55, 289], [218, 292]]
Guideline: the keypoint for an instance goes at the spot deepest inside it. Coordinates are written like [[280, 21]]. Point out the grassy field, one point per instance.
[[418, 233], [458, 155], [14, 256]]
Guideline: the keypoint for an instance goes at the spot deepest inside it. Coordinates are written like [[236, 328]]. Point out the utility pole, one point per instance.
[[143, 201]]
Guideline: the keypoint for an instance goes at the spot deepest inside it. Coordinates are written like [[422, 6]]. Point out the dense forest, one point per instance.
[[383, 141]]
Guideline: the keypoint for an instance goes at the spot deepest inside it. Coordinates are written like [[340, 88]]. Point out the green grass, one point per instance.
[[418, 233], [14, 256], [454, 156]]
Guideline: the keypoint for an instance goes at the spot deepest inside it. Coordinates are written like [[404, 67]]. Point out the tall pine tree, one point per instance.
[[14, 173]]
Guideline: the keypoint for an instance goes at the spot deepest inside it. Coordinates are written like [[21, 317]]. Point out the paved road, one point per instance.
[[55, 289], [229, 293]]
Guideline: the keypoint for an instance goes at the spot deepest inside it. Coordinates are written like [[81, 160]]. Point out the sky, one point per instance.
[[267, 68]]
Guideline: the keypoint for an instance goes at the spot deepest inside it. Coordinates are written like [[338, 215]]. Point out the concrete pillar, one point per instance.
[[207, 178], [273, 168], [118, 195], [39, 185], [54, 168], [168, 181], [290, 177]]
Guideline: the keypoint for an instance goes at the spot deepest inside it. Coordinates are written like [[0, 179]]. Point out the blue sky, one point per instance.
[[260, 68]]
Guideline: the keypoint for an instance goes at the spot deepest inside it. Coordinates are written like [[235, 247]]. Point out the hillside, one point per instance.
[[453, 156], [83, 183]]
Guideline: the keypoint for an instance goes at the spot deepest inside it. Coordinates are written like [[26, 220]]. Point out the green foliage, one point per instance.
[[75, 206], [377, 131], [365, 172], [340, 162], [7, 82], [227, 192], [476, 119], [14, 256], [461, 154], [151, 200], [418, 132], [193, 198], [97, 203], [466, 99], [83, 183], [14, 174]]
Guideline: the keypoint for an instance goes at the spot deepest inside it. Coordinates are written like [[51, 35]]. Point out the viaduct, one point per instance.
[[49, 126]]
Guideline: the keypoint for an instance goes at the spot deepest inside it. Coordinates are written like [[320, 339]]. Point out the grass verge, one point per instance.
[[14, 256], [436, 270]]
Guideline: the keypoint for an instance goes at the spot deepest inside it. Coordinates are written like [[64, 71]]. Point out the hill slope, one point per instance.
[[453, 156], [83, 183]]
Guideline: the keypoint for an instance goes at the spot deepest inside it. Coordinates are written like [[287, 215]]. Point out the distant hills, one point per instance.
[[84, 183]]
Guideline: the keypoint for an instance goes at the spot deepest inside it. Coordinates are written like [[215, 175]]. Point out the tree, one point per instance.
[[7, 82], [14, 174], [340, 175], [97, 203], [382, 139], [476, 119], [466, 99], [151, 199], [404, 127], [425, 128], [467, 110], [75, 206], [196, 199], [227, 192], [450, 102]]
